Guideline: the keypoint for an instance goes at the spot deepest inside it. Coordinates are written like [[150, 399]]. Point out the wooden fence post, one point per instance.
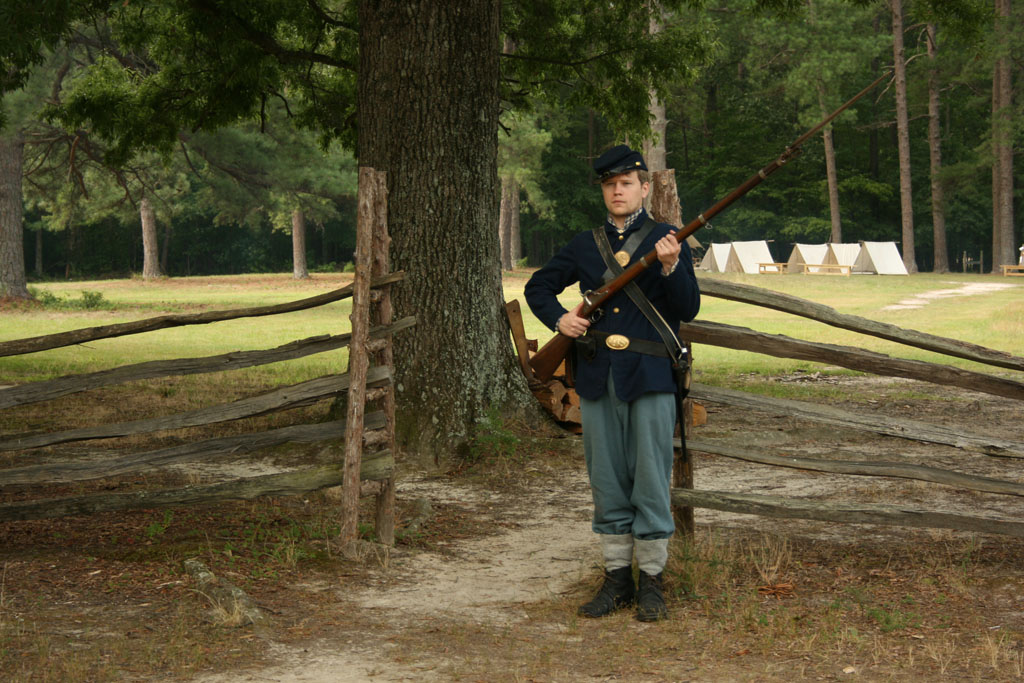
[[665, 208], [371, 195], [380, 314]]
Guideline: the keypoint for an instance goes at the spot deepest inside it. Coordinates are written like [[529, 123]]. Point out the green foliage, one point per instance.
[[90, 301], [491, 440]]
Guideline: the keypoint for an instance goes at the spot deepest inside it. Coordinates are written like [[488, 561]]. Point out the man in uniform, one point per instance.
[[625, 367]]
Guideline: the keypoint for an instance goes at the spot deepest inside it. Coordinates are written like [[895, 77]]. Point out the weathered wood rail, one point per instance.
[[366, 438], [786, 303], [954, 436]]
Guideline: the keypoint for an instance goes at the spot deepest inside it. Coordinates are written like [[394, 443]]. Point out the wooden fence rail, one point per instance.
[[786, 303], [366, 438], [781, 346], [375, 467], [235, 360], [282, 398], [914, 430], [87, 334], [857, 359], [802, 508], [207, 450]]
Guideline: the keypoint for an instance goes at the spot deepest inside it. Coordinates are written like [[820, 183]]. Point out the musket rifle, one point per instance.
[[550, 356]]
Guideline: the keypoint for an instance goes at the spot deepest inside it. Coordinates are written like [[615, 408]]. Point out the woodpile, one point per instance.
[[558, 397]]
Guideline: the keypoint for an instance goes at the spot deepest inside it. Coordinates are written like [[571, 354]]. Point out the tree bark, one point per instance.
[[836, 235], [941, 252], [903, 137], [299, 270], [509, 209], [428, 106], [1002, 144], [12, 247], [150, 251]]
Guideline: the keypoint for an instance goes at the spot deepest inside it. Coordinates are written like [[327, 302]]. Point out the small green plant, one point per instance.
[[155, 529], [45, 297], [892, 619], [92, 300], [349, 267], [491, 439]]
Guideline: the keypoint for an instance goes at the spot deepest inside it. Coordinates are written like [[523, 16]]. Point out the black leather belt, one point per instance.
[[619, 342]]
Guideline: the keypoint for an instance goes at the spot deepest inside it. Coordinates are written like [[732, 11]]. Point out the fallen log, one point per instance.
[[847, 513], [86, 334], [898, 470], [878, 424], [235, 360], [66, 471], [283, 398], [828, 315], [781, 346], [375, 467]]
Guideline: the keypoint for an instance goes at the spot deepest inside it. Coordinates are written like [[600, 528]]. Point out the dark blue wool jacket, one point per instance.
[[676, 297]]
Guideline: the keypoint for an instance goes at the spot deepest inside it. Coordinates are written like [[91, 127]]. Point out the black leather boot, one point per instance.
[[616, 592], [650, 598]]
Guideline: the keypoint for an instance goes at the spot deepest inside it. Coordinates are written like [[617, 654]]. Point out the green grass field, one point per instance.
[[991, 318]]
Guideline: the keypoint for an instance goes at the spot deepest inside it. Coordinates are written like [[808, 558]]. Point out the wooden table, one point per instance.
[[825, 269]]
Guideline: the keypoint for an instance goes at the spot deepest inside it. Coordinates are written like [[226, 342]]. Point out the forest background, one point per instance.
[[221, 126], [230, 200]]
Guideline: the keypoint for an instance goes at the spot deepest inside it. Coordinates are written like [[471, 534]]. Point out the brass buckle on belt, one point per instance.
[[617, 342]]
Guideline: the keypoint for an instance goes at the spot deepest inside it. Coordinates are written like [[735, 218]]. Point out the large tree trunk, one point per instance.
[[12, 246], [150, 250], [428, 117], [941, 253], [299, 270], [903, 137], [1002, 144]]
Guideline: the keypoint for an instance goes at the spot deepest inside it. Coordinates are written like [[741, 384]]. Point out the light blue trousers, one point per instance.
[[628, 449]]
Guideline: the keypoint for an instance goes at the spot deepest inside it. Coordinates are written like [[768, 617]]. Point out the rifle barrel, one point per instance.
[[547, 360]]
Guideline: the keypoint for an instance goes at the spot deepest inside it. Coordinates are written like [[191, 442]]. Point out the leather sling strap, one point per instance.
[[677, 351]]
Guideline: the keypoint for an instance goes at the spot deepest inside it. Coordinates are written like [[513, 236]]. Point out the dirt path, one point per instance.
[[479, 586], [923, 299], [483, 580]]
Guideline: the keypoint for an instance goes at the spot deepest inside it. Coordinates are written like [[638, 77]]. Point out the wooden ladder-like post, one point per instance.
[[381, 314], [371, 203], [665, 208]]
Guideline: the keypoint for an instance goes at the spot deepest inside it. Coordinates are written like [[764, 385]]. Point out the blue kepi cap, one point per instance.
[[618, 159]]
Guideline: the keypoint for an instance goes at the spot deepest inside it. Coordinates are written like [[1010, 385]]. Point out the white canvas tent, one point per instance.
[[842, 254], [750, 254], [720, 258], [880, 257], [807, 253]]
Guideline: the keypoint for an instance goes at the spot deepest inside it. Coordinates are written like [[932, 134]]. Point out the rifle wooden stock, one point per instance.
[[548, 358]]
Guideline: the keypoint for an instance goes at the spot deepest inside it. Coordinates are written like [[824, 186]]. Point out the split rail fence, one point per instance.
[[367, 462], [867, 361]]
